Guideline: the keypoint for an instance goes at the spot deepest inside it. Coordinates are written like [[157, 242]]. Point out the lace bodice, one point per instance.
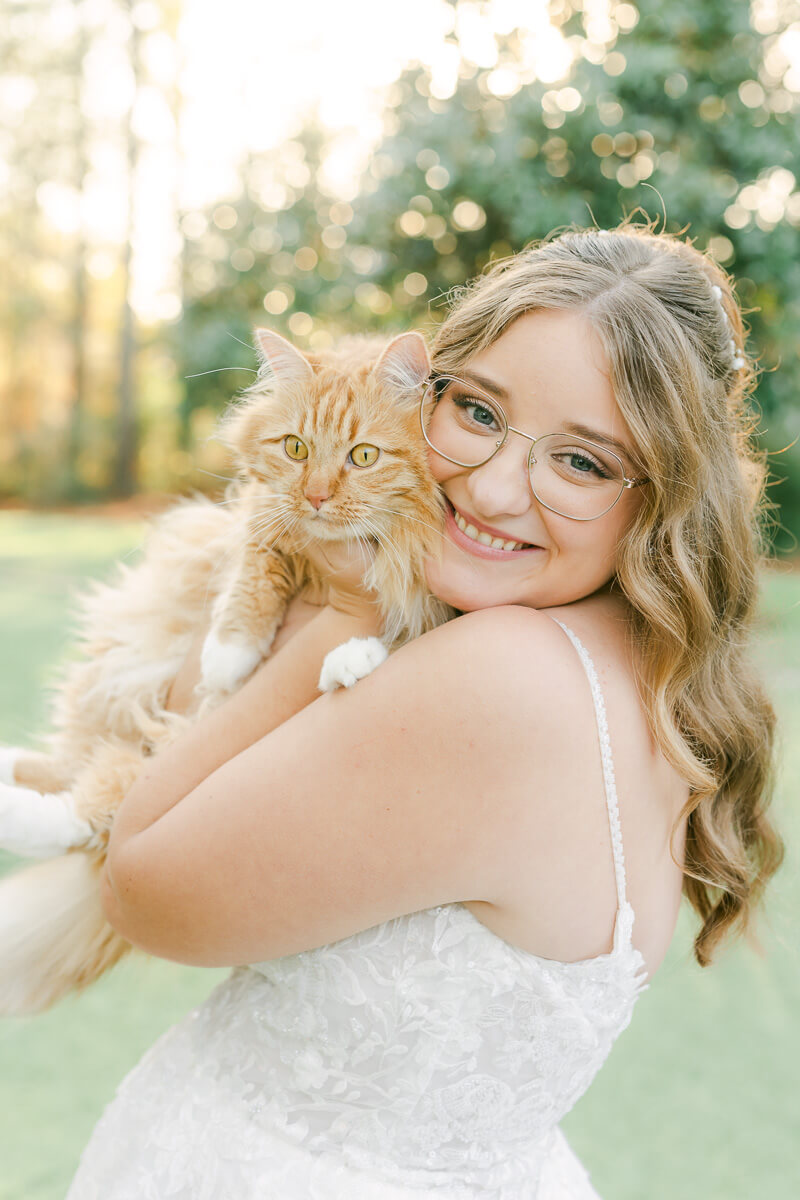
[[426, 1053]]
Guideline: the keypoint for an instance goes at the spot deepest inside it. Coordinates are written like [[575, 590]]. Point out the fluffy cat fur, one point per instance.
[[244, 560]]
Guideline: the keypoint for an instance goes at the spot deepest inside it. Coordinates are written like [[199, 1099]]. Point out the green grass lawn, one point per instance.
[[699, 1098]]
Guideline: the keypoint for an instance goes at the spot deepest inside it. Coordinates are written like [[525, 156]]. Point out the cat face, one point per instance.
[[335, 437]]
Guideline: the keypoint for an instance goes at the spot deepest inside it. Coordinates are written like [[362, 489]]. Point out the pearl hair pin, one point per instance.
[[737, 356]]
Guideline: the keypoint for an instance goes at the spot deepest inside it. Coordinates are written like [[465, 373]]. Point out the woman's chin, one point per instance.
[[465, 589], [466, 584]]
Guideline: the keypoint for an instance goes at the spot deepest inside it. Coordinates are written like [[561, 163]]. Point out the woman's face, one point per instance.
[[548, 371]]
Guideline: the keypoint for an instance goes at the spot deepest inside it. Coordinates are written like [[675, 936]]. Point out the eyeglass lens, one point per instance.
[[568, 474]]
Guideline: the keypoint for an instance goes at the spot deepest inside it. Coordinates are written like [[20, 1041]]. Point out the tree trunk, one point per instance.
[[77, 325], [125, 474]]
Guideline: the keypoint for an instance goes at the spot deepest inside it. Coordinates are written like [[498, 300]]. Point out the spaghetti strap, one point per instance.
[[608, 774]]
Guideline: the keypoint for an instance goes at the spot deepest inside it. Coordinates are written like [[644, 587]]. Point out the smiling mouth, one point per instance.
[[482, 537]]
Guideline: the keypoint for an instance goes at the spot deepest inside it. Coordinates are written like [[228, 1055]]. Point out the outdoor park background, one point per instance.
[[168, 179]]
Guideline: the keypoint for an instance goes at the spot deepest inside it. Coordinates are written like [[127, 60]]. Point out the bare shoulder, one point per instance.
[[504, 652], [562, 905], [520, 666]]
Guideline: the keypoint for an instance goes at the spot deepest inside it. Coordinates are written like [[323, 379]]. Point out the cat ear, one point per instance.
[[280, 357], [404, 364]]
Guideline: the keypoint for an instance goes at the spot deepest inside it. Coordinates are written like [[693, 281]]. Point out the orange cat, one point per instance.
[[329, 449]]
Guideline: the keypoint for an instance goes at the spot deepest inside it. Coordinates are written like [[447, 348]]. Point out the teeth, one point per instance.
[[485, 539]]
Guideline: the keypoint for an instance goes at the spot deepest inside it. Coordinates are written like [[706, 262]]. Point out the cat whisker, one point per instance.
[[393, 554], [395, 561], [260, 526], [275, 527], [216, 371], [273, 503], [230, 500], [277, 508], [214, 475], [407, 517], [270, 533], [363, 542], [239, 340], [275, 519], [396, 612]]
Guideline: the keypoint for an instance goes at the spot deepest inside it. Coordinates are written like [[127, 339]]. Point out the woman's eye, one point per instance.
[[579, 462], [477, 412], [364, 455], [484, 416], [295, 448], [582, 465]]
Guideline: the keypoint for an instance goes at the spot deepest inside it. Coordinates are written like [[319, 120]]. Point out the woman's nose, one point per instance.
[[502, 484]]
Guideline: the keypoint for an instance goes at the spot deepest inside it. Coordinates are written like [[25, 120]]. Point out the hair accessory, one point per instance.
[[737, 356]]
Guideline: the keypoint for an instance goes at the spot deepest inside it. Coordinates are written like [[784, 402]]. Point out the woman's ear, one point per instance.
[[404, 365], [279, 357]]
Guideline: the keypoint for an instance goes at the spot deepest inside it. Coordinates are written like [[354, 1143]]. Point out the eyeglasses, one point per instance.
[[569, 475]]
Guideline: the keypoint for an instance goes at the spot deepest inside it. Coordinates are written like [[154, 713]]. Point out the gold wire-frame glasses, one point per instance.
[[571, 487]]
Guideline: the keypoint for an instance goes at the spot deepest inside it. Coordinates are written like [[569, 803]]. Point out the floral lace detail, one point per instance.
[[423, 1057], [424, 1054]]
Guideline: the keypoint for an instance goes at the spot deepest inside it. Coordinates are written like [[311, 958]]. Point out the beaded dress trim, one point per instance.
[[624, 923]]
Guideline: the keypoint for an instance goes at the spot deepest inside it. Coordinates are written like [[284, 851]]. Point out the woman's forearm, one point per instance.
[[281, 687]]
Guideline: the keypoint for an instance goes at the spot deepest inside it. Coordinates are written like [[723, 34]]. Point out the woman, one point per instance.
[[437, 872]]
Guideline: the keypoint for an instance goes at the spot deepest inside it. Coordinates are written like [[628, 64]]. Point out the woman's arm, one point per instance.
[[404, 792], [283, 685]]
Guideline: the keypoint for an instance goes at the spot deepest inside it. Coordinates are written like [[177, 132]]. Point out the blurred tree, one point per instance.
[[69, 382], [37, 116], [79, 283], [124, 477], [570, 123], [690, 99], [261, 258]]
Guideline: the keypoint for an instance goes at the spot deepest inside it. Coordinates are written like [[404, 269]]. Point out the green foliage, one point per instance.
[[458, 181], [695, 99]]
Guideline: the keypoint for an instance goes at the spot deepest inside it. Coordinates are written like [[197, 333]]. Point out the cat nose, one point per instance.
[[317, 498]]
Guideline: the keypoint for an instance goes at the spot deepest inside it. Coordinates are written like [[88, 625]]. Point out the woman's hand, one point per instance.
[[343, 566]]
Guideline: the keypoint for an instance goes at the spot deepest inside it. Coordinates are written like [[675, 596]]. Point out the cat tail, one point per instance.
[[54, 936]]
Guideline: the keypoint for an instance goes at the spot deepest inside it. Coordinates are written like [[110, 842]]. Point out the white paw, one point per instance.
[[350, 662], [39, 826], [8, 758], [225, 664]]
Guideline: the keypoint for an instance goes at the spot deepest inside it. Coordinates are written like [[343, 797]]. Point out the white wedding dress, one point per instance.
[[422, 1058]]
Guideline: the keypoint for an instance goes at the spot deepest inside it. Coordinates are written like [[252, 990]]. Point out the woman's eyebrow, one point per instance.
[[488, 385], [584, 431], [594, 435]]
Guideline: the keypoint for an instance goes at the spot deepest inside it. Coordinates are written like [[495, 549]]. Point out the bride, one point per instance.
[[443, 890]]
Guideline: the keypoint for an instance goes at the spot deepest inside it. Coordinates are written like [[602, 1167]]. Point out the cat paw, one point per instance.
[[224, 665], [350, 662], [39, 826], [8, 759]]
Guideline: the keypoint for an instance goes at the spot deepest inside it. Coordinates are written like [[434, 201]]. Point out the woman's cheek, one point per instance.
[[440, 468]]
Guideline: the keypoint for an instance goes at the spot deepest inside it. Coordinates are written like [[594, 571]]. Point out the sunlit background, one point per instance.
[[172, 173]]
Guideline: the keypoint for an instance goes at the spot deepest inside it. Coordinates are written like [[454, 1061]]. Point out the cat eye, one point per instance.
[[364, 455], [295, 448]]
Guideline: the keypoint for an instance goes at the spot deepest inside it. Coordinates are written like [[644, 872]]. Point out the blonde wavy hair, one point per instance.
[[688, 565]]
